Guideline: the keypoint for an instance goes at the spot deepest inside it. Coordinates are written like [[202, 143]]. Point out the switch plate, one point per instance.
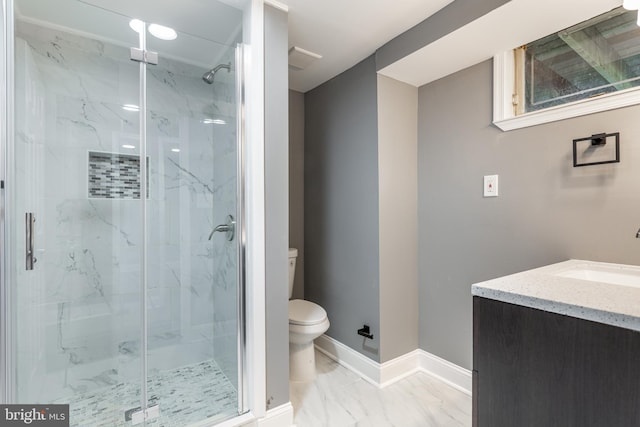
[[491, 186]]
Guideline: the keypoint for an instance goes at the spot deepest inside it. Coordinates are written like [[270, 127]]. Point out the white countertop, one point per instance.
[[544, 289]]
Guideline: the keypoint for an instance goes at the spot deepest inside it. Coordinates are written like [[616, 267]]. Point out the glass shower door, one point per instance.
[[126, 267], [193, 293], [72, 194]]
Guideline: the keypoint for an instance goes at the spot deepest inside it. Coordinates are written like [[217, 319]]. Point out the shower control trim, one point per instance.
[[29, 220], [229, 228]]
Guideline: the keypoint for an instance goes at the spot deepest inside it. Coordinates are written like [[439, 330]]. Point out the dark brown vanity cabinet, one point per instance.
[[540, 369]]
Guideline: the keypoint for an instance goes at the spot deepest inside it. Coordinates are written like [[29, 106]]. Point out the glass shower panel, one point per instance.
[[193, 358], [93, 321], [77, 325]]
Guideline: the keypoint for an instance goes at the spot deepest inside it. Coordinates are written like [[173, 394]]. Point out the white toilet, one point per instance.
[[307, 321]]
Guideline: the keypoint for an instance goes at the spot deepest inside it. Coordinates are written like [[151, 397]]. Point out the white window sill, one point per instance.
[[574, 109], [502, 109]]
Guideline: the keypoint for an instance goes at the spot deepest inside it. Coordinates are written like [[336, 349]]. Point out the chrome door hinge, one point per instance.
[[146, 56]]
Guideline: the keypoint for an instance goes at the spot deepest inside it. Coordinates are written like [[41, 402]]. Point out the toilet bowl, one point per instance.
[[307, 321]]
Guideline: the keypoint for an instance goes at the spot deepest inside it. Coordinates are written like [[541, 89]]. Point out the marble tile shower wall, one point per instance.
[[81, 305], [114, 176]]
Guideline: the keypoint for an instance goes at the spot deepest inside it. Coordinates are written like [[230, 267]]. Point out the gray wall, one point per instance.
[[547, 210], [398, 212], [296, 186], [276, 139], [341, 204]]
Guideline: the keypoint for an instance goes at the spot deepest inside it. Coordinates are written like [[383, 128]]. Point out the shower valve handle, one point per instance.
[[229, 228]]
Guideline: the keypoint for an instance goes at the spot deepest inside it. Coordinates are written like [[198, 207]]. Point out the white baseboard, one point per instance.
[[452, 374], [282, 416], [384, 374], [368, 369], [399, 368]]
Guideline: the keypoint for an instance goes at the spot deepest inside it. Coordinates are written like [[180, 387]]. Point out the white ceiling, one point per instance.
[[343, 32], [346, 32]]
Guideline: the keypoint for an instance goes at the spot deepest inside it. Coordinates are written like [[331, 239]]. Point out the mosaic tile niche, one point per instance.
[[115, 176]]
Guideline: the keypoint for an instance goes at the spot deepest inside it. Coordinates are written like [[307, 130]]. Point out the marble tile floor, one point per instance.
[[185, 395], [340, 398]]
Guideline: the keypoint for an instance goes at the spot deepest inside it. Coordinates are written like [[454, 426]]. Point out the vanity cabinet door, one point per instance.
[[535, 368]]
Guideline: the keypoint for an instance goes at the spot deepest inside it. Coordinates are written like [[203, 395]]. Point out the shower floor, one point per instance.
[[185, 395]]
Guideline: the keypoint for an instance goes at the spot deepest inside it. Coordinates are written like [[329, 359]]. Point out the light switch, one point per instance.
[[491, 186]]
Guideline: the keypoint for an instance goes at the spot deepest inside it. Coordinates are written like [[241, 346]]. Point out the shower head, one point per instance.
[[210, 75]]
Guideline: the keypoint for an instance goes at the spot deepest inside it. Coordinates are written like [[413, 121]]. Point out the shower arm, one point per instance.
[[210, 75]]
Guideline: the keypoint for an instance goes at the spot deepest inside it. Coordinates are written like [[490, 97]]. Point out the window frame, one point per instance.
[[504, 81]]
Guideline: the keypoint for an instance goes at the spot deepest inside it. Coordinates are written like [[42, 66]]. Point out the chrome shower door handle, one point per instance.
[[229, 228], [29, 220]]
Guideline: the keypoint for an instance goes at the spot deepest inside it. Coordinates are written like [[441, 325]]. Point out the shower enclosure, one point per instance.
[[123, 226]]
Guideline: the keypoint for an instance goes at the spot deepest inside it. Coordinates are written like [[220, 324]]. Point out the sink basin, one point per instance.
[[615, 275]]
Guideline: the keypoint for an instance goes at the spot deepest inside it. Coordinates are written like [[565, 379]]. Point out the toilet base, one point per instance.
[[302, 362]]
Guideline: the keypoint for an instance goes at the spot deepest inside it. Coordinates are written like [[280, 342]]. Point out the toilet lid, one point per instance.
[[303, 312]]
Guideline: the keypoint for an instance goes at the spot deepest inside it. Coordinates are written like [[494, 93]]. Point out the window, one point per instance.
[[593, 66]]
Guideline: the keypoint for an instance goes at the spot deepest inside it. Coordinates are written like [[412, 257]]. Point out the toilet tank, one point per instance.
[[293, 254]]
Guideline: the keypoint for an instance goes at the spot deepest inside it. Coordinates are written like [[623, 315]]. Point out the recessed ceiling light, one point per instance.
[[214, 122], [175, 150], [130, 107], [162, 32], [136, 25], [128, 146]]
